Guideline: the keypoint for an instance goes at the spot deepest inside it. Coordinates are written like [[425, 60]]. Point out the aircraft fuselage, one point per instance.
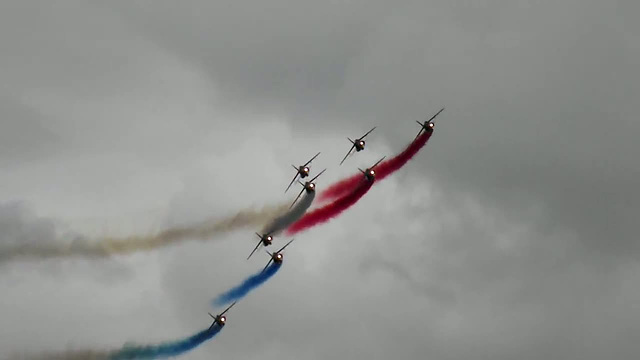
[[303, 171], [370, 175]]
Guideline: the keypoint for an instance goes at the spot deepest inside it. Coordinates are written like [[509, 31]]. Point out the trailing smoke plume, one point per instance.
[[36, 238], [246, 286], [383, 169], [168, 349], [129, 351], [331, 210], [70, 355], [284, 221]]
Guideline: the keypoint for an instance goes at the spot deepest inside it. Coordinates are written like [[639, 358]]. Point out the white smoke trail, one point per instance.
[[107, 246], [280, 223]]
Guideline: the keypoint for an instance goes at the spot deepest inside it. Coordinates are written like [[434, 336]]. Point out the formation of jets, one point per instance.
[[302, 172]]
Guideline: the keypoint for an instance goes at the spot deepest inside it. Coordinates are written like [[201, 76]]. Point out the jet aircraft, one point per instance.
[[358, 144], [428, 125], [369, 173], [265, 239], [302, 170], [309, 186], [277, 256], [220, 319]]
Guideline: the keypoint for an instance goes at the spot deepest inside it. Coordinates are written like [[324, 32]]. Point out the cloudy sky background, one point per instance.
[[512, 234]]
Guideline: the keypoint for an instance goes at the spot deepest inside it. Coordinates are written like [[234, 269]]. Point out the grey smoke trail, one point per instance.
[[282, 222], [106, 247]]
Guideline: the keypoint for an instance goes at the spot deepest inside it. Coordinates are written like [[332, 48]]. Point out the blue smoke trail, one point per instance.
[[249, 284], [165, 350]]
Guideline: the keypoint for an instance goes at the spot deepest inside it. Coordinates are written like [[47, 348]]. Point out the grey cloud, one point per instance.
[[20, 228], [19, 225], [511, 235], [542, 95], [510, 288]]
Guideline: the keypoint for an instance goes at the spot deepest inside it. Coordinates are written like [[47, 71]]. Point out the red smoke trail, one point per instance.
[[331, 210], [383, 170]]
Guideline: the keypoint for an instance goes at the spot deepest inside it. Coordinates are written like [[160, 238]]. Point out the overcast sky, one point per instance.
[[511, 235]]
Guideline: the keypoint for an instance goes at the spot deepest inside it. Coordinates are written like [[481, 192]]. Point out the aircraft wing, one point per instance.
[[368, 132], [317, 176], [374, 165], [434, 116], [256, 248], [227, 309], [269, 263], [290, 241], [350, 150], [292, 181], [421, 129], [309, 162], [300, 194]]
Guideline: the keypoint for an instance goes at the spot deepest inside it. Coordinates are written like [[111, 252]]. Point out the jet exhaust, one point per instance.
[[277, 225], [246, 286], [132, 351], [84, 247], [383, 169], [333, 209]]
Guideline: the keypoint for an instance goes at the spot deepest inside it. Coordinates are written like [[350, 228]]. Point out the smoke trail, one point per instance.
[[383, 170], [69, 355], [165, 350], [106, 247], [282, 222], [130, 351], [331, 210], [249, 284]]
